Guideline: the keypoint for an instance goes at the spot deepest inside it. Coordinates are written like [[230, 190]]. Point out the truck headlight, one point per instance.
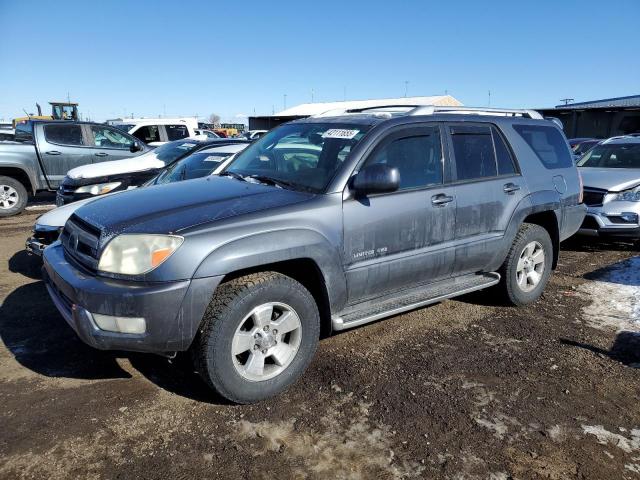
[[135, 254], [98, 188], [631, 195]]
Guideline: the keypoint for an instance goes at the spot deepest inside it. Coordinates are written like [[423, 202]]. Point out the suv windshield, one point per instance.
[[302, 156], [618, 155], [173, 150], [196, 165]]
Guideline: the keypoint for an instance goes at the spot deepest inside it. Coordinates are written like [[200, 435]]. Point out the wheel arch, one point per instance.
[[20, 175], [548, 220]]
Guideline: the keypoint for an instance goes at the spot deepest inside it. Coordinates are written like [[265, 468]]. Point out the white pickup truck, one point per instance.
[[158, 131]]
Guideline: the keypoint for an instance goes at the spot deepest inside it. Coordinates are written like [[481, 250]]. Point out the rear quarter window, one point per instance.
[[547, 143]]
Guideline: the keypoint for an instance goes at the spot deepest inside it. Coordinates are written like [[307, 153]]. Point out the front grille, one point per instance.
[[80, 241], [590, 223], [594, 197]]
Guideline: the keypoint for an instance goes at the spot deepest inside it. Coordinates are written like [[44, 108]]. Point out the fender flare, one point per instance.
[[264, 248]]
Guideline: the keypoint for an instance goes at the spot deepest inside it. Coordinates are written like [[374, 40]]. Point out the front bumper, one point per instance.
[[43, 236], [612, 220], [172, 310]]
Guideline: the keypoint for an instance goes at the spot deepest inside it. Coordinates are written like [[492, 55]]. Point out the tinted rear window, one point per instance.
[[548, 144], [63, 134]]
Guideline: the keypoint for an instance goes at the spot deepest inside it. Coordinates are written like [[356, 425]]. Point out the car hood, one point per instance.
[[146, 161], [59, 216], [611, 179], [177, 206]]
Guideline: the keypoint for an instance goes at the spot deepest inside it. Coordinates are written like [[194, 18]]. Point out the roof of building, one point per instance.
[[630, 101], [308, 109]]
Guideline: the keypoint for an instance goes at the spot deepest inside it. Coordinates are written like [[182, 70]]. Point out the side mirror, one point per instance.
[[377, 178], [135, 147]]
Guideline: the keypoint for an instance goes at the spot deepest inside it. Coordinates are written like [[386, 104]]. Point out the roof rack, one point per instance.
[[507, 112], [394, 110]]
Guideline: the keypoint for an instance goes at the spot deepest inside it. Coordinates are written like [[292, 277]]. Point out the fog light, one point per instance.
[[120, 324], [629, 217]]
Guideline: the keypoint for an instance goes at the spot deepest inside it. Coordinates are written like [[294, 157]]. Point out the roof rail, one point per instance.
[[508, 112], [385, 110]]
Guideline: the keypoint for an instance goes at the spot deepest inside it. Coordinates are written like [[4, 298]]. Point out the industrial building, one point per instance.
[[598, 118], [304, 110]]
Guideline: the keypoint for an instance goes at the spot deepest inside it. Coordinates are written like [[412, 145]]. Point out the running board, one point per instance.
[[390, 305]]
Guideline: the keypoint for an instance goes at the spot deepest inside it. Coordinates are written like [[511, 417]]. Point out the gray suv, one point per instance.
[[322, 224]]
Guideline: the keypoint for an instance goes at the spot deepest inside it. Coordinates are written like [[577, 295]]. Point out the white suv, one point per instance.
[[158, 131]]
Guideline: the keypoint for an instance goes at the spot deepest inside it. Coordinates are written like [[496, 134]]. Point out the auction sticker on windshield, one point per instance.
[[340, 133]]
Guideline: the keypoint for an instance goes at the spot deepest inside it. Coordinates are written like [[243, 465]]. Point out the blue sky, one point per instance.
[[231, 58]]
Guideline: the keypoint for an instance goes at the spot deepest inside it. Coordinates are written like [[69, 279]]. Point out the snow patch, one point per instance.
[[358, 450], [615, 297], [606, 437]]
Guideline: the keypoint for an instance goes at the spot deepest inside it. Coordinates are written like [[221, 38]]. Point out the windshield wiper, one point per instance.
[[235, 175], [275, 181]]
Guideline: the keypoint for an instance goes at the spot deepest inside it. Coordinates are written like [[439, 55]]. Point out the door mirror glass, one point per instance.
[[376, 178]]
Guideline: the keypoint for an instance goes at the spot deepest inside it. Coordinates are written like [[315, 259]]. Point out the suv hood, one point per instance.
[[146, 161], [611, 179], [177, 206]]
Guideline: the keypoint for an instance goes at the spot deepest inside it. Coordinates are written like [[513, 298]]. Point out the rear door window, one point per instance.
[[548, 144], [148, 133], [506, 166], [176, 132], [474, 153], [64, 134]]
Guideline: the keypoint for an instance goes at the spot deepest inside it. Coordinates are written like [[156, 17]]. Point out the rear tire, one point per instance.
[[257, 337], [526, 270], [13, 197]]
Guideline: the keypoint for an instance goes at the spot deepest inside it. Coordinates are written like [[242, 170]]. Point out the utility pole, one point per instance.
[[284, 101], [489, 99], [406, 87], [312, 95], [567, 100]]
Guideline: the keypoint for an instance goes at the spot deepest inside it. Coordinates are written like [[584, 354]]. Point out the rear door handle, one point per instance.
[[53, 152], [101, 154], [510, 188], [441, 200]]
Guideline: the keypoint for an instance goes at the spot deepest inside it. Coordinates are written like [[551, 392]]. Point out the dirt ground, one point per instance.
[[461, 390]]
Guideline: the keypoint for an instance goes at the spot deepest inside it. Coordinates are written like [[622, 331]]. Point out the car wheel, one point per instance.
[[258, 336], [13, 196], [526, 270]]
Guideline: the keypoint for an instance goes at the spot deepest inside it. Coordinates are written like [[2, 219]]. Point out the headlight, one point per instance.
[[631, 195], [134, 254], [99, 188]]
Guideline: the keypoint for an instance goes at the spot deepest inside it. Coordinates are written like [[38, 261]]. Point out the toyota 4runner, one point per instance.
[[322, 224]]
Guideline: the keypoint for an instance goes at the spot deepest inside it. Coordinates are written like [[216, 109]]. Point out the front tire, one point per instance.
[[13, 197], [526, 270], [258, 336]]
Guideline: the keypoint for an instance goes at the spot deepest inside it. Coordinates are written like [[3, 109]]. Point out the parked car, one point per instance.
[[207, 133], [579, 146], [611, 174], [7, 134], [43, 151], [158, 131], [198, 162], [390, 213], [91, 180], [254, 134]]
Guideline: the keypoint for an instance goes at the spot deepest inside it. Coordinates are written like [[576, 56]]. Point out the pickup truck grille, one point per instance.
[[80, 241], [593, 197]]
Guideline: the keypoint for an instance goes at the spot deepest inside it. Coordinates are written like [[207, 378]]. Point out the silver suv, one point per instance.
[[611, 175]]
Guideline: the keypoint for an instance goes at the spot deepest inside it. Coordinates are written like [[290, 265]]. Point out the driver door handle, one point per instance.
[[440, 200], [510, 188], [101, 154], [53, 152]]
